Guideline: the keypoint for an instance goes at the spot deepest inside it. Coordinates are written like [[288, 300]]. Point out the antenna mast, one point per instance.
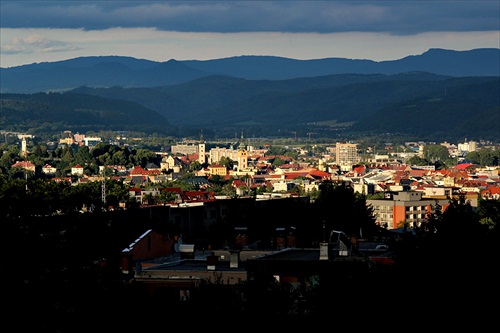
[[103, 187]]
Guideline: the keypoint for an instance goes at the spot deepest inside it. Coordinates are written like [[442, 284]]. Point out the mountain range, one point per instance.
[[440, 94]]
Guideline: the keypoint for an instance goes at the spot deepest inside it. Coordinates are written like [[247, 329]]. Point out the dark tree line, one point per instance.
[[54, 265]]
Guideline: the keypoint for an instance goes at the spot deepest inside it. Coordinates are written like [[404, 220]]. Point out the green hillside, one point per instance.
[[56, 112]]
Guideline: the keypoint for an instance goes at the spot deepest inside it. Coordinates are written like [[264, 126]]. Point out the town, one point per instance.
[[266, 171], [204, 221]]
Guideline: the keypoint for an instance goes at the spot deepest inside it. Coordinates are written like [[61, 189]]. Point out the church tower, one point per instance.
[[242, 157], [24, 150], [201, 150]]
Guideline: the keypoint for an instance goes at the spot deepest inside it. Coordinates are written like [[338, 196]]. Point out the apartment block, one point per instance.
[[403, 208]]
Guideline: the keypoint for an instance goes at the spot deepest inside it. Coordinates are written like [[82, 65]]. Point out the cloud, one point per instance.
[[394, 17], [34, 44]]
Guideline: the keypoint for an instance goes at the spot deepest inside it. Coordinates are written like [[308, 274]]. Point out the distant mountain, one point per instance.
[[439, 95], [478, 62], [127, 72]]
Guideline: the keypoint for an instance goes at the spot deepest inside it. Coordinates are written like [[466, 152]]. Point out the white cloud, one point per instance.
[[33, 44]]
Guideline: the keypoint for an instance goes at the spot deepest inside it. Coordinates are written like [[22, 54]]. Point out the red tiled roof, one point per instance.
[[319, 174], [23, 164], [137, 170], [293, 175], [359, 169], [464, 166]]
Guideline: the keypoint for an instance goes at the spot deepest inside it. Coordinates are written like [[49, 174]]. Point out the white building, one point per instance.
[[346, 155]]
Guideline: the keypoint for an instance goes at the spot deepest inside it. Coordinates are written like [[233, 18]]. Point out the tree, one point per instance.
[[9, 157], [227, 162], [489, 213], [40, 151], [359, 218], [144, 156], [83, 156], [417, 160], [436, 153], [278, 161], [459, 220], [484, 157], [433, 220], [228, 190], [195, 166], [116, 192], [121, 157], [67, 155]]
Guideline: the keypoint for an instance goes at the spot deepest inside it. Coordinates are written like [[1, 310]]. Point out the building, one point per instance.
[[403, 208], [26, 165], [336, 261], [171, 163], [242, 155], [185, 149], [216, 154], [346, 155], [467, 147], [202, 158], [91, 141], [48, 169], [77, 170], [67, 141], [216, 169]]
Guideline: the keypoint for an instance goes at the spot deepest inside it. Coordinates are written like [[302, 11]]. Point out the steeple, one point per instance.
[[242, 142], [242, 158], [201, 150]]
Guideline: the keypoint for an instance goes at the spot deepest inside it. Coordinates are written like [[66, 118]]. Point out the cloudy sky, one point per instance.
[[46, 31]]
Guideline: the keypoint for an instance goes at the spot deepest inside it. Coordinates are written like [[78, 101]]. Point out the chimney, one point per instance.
[[235, 259], [323, 251], [323, 246], [212, 261], [186, 251]]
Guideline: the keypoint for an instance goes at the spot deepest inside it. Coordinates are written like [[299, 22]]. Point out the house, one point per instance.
[[77, 170], [28, 166], [171, 163], [49, 170], [151, 244], [217, 169], [491, 192], [152, 166]]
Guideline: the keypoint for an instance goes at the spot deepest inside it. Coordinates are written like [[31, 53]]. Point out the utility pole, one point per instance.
[[103, 187], [309, 134], [24, 152]]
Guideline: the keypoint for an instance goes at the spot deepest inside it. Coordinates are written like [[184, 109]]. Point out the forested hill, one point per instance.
[[55, 112], [419, 105]]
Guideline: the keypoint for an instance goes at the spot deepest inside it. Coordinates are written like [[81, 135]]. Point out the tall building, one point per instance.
[[467, 147], [403, 208], [346, 155], [24, 151], [242, 155], [202, 158]]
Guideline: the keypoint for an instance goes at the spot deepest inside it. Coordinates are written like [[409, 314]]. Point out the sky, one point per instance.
[[48, 31]]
